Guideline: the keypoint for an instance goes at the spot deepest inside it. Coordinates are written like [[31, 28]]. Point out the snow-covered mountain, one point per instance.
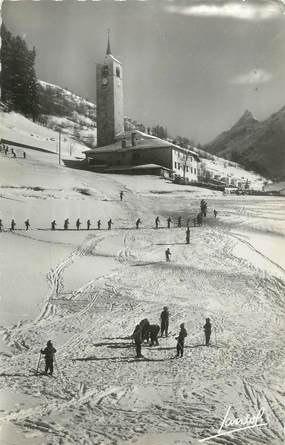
[[66, 111], [258, 145]]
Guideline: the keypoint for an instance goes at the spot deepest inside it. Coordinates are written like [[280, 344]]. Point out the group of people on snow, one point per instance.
[[138, 223], [146, 332], [5, 149]]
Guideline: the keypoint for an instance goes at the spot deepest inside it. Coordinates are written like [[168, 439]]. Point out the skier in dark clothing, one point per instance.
[[167, 254], [53, 224], [215, 213], [179, 221], [13, 153], [199, 219], [203, 207], [99, 224], [27, 224], [121, 196], [66, 224], [6, 151], [13, 225], [49, 352], [153, 330], [110, 222], [24, 155], [88, 224], [169, 220], [145, 329], [1, 225], [207, 330], [164, 317], [188, 235], [137, 336], [138, 222], [156, 222], [180, 340], [78, 224]]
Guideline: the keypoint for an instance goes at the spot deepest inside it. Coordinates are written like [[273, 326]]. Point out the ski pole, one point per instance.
[[39, 361]]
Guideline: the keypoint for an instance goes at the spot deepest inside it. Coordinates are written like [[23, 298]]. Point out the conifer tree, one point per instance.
[[19, 88]]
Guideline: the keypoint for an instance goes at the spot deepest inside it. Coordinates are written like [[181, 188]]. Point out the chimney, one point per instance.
[[124, 143], [133, 139]]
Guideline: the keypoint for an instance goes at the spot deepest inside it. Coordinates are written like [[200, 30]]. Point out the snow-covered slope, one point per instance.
[[65, 110], [17, 128], [86, 291]]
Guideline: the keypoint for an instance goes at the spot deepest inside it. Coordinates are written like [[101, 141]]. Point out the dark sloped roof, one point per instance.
[[143, 141]]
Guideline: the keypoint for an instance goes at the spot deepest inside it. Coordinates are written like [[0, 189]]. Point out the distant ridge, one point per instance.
[[257, 145]]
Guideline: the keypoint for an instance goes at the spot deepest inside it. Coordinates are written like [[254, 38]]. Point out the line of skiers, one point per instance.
[[197, 221], [146, 332]]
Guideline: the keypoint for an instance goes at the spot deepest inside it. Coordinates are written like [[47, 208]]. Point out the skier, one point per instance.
[[179, 221], [88, 224], [164, 317], [138, 222], [215, 213], [180, 340], [1, 225], [199, 219], [137, 336], [110, 222], [167, 254], [207, 330], [53, 224], [27, 224], [99, 224], [13, 225], [187, 235], [6, 151], [145, 329], [13, 153], [203, 207], [24, 155], [78, 224], [49, 352], [169, 220], [153, 330], [121, 196], [157, 222], [66, 224]]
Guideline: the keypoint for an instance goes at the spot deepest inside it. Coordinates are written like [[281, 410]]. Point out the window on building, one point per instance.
[[191, 159], [178, 166], [191, 169], [195, 171], [105, 71], [118, 71], [187, 168], [175, 164]]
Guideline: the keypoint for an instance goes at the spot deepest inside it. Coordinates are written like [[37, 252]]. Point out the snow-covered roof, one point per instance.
[[137, 167], [143, 141]]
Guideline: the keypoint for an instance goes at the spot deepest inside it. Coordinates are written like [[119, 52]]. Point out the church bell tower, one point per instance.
[[109, 92]]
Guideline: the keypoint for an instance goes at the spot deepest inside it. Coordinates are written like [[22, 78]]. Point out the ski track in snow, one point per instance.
[[102, 395]]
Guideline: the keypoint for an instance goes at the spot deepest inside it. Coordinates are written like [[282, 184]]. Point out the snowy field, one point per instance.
[[86, 291]]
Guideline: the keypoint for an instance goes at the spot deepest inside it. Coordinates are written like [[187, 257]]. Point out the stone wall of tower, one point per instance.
[[109, 91]]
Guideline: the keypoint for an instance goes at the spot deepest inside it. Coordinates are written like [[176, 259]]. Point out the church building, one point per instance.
[[132, 152]]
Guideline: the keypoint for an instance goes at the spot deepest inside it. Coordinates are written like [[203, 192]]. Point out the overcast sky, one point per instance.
[[193, 66]]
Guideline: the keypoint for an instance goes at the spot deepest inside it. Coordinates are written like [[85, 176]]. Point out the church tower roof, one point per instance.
[[108, 52]]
